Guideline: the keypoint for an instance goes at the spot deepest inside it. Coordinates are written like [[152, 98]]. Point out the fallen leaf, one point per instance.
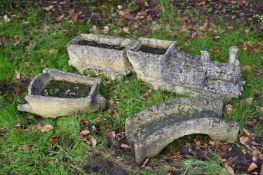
[[124, 146], [17, 41], [55, 139], [110, 102], [84, 132], [4, 40], [229, 109], [126, 29], [246, 132], [48, 8], [93, 142], [145, 162], [252, 167], [52, 51], [230, 170], [42, 128], [73, 15], [111, 135], [106, 29], [60, 18], [6, 19], [18, 75], [94, 28], [47, 128], [243, 140], [26, 147], [249, 100]]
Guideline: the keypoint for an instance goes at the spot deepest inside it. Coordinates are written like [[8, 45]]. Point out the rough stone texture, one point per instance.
[[52, 107], [112, 62], [153, 129], [183, 73]]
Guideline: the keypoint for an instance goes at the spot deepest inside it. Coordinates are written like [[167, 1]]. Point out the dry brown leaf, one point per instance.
[[18, 75], [106, 29], [52, 51], [48, 8], [230, 170], [145, 162], [249, 100], [252, 167], [46, 128], [243, 140], [94, 28], [126, 29], [59, 18], [124, 146], [26, 147], [17, 40], [246, 132], [73, 14], [93, 142], [110, 102], [84, 132]]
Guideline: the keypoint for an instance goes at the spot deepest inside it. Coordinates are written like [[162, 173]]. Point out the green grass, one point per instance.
[[38, 36]]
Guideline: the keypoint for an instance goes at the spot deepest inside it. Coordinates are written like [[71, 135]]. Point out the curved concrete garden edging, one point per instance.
[[100, 52], [178, 72], [153, 129], [52, 107]]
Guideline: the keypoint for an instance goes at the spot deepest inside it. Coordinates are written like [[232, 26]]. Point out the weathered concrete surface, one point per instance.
[[183, 73], [153, 129], [112, 62], [52, 107]]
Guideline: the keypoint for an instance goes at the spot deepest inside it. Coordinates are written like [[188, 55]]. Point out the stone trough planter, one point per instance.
[[100, 52], [71, 94], [148, 55], [179, 72], [150, 131]]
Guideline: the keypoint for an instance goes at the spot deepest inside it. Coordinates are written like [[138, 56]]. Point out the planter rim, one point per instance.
[[51, 73], [141, 41], [94, 37]]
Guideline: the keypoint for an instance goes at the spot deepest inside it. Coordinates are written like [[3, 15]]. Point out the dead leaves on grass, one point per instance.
[[42, 127]]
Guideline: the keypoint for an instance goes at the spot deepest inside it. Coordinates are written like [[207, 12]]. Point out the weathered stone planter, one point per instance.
[[52, 107], [182, 73], [105, 53], [153, 129], [147, 56]]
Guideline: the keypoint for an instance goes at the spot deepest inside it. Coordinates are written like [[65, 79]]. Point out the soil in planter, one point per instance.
[[66, 89], [101, 45], [153, 50]]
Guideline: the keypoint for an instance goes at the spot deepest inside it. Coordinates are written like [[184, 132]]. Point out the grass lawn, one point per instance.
[[32, 41]]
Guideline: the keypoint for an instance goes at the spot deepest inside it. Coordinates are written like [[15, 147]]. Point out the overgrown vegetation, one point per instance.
[[34, 37]]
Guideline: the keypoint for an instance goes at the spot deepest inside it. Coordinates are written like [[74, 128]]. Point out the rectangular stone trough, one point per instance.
[[147, 56], [50, 106], [100, 52]]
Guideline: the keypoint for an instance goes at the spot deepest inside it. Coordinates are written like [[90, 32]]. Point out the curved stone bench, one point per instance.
[[153, 129]]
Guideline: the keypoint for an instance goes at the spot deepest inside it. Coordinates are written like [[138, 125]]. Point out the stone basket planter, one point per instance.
[[49, 106], [147, 56], [99, 52]]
